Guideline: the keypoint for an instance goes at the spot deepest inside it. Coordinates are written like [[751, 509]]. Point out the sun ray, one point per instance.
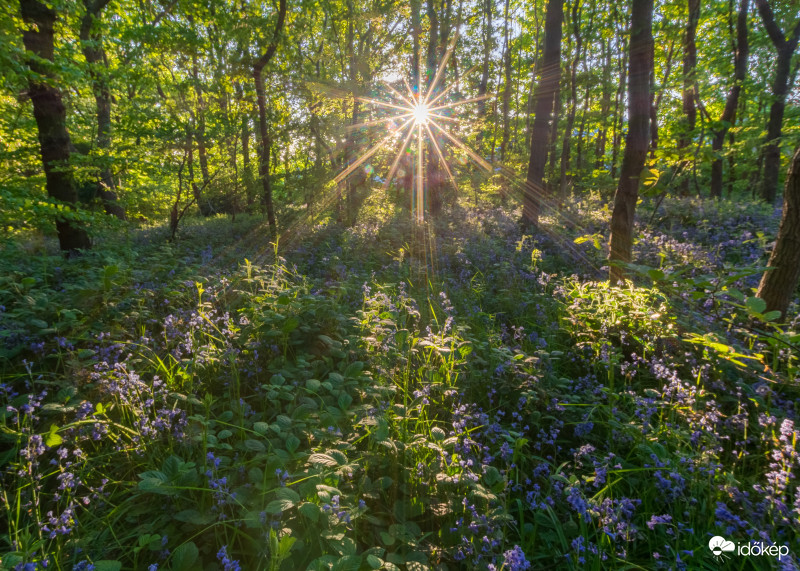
[[410, 92], [442, 66], [420, 190], [446, 118], [441, 157], [380, 103], [399, 156], [452, 85], [362, 159], [379, 121], [472, 154], [462, 102], [399, 95]]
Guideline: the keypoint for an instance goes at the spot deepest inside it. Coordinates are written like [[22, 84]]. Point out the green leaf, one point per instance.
[[345, 400], [353, 369], [292, 443], [288, 494], [771, 315], [310, 510], [322, 460], [255, 445], [184, 557], [52, 438], [278, 506], [261, 427], [755, 304], [107, 565]]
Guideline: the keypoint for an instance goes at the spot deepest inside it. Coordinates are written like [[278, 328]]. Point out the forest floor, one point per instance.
[[390, 397]]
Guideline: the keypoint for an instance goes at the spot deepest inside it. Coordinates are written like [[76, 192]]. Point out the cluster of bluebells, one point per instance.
[[225, 560], [513, 560]]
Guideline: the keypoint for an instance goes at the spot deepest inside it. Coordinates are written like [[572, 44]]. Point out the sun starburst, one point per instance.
[[416, 113]]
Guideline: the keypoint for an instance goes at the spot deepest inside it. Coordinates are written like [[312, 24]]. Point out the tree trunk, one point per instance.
[[546, 93], [689, 95], [506, 84], [619, 105], [657, 101], [416, 31], [742, 52], [92, 48], [434, 170], [483, 86], [266, 141], [51, 118], [779, 285], [636, 142], [605, 107], [780, 88], [200, 134], [566, 145]]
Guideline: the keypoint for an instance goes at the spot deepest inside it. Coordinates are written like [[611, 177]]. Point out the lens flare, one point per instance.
[[421, 114], [415, 114]]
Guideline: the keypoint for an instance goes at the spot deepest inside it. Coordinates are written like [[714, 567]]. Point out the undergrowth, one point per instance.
[[385, 398]]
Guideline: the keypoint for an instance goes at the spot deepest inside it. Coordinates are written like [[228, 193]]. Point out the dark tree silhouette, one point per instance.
[[51, 118], [780, 88], [778, 285], [550, 75], [266, 141], [636, 142]]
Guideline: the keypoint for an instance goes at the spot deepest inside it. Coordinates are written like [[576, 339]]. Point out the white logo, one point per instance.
[[719, 546]]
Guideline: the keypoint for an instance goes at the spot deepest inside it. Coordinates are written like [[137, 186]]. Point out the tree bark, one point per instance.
[[780, 88], [205, 206], [636, 142], [92, 48], [689, 95], [605, 106], [433, 169], [266, 141], [506, 84], [657, 102], [779, 285], [741, 55], [566, 145], [51, 118], [483, 86], [546, 93], [619, 102]]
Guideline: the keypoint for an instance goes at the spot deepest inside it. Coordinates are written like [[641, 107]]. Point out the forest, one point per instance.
[[399, 284]]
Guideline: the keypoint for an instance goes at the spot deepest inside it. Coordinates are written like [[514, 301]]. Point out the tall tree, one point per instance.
[[566, 144], [636, 142], [741, 55], [93, 51], [51, 117], [779, 283], [507, 87], [780, 88], [546, 92], [266, 140], [689, 85]]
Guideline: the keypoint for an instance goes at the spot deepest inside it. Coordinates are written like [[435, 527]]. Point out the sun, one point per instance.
[[417, 112], [421, 114]]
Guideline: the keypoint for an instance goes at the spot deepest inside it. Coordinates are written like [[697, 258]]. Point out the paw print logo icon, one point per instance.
[[719, 546]]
